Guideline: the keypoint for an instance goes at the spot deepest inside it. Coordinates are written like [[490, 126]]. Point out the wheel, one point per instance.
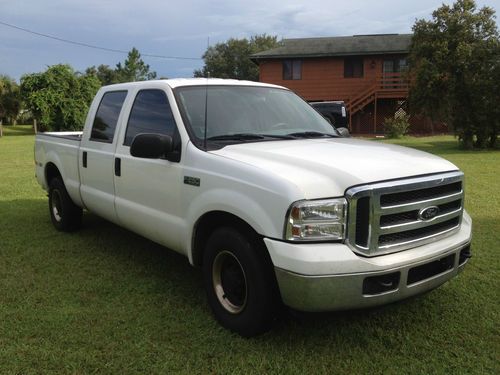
[[65, 215], [240, 283]]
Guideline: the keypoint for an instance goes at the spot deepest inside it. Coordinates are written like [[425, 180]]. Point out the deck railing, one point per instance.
[[384, 84], [392, 81]]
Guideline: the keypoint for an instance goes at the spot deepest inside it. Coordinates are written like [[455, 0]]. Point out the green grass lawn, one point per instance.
[[106, 301]]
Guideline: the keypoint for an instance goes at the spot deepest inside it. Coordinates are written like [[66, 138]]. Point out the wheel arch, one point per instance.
[[52, 171], [208, 222]]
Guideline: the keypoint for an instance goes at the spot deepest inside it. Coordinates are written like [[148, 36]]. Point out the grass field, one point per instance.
[[105, 301]]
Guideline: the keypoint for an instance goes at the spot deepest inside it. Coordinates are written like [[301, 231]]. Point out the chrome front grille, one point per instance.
[[397, 215]]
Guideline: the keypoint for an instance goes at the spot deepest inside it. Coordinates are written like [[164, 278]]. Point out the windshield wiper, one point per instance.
[[236, 137], [312, 134], [248, 136], [278, 136]]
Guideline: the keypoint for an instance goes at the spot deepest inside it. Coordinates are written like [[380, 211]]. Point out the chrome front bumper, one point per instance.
[[353, 291], [329, 277]]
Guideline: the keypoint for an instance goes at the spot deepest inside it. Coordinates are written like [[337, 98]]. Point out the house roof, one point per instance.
[[377, 44]]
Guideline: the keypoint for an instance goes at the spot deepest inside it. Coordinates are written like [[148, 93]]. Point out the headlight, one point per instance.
[[319, 220]]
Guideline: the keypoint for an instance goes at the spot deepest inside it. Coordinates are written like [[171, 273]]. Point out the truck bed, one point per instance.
[[62, 148], [75, 136]]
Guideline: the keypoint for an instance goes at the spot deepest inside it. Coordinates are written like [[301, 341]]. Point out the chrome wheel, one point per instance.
[[56, 205], [229, 282]]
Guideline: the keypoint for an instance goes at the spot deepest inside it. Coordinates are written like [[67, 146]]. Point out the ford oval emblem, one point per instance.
[[428, 213]]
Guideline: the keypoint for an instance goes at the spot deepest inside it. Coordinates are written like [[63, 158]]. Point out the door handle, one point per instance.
[[84, 159], [118, 167]]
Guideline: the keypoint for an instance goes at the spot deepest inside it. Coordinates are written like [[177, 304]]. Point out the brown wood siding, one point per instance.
[[323, 79]]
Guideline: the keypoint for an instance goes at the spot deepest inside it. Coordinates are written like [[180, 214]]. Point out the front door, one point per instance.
[[147, 191]]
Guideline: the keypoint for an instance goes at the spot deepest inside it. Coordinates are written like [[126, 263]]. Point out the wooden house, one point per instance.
[[365, 71]]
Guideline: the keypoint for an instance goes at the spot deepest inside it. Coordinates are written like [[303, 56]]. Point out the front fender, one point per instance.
[[237, 204]]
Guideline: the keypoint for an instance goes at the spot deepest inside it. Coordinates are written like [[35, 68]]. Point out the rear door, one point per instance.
[[97, 156]]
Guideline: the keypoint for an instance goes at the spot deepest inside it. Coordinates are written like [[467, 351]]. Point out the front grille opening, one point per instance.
[[410, 196], [362, 221], [415, 234], [431, 269], [450, 206], [381, 284], [411, 216], [399, 218], [464, 255]]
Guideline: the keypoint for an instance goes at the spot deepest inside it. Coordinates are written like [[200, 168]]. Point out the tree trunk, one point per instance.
[[468, 140], [1, 128], [493, 141], [35, 126]]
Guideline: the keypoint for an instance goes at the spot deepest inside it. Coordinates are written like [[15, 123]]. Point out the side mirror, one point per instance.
[[344, 132], [151, 146]]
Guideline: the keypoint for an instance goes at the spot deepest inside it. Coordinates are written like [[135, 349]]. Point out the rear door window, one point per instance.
[[106, 117]]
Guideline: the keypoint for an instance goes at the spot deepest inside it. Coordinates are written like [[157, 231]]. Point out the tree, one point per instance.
[[454, 71], [134, 69], [59, 98], [231, 59], [10, 99], [105, 74]]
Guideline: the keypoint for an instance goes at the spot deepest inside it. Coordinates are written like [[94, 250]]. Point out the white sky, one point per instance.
[[181, 28]]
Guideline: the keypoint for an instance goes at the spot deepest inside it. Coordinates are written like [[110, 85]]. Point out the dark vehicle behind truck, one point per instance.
[[334, 111]]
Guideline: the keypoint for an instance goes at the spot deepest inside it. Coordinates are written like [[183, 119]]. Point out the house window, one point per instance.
[[292, 69], [395, 65], [353, 67]]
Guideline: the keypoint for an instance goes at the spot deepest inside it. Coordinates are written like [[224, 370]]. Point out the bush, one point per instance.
[[396, 127]]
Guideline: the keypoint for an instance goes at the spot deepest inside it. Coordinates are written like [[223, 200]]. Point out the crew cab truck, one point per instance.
[[255, 187]]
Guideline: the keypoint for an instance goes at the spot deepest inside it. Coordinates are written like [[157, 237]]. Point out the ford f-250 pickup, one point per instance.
[[260, 191]]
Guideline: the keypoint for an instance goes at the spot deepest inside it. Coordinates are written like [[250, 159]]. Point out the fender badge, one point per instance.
[[194, 181]]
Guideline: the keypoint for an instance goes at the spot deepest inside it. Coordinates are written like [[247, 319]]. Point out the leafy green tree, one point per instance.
[[105, 74], [454, 71], [10, 99], [231, 59], [133, 69], [59, 98]]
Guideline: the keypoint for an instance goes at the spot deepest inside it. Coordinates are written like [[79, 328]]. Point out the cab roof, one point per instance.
[[181, 82]]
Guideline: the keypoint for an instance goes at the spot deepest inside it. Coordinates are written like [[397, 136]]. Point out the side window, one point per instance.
[[150, 113], [106, 117]]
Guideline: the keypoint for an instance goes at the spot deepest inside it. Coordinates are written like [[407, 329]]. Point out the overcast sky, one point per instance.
[[181, 28]]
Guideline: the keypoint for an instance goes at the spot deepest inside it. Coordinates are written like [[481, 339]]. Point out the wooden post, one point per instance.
[[375, 116], [35, 126]]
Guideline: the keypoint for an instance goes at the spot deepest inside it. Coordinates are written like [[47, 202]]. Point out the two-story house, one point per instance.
[[365, 71]]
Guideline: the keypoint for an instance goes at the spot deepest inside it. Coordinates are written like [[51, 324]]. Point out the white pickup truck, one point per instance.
[[260, 191]]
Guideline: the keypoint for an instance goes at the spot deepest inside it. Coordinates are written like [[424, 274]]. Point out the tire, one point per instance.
[[65, 215], [239, 281]]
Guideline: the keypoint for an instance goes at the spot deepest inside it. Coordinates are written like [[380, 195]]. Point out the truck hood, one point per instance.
[[323, 168]]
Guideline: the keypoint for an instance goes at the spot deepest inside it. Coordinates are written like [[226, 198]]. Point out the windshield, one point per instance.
[[238, 114]]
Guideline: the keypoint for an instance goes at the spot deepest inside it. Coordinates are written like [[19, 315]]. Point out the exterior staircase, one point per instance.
[[388, 86]]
